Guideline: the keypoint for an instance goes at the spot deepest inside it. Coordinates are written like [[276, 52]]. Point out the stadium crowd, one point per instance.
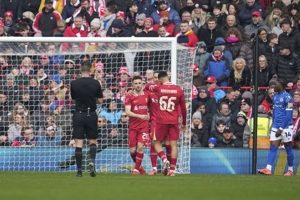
[[35, 106]]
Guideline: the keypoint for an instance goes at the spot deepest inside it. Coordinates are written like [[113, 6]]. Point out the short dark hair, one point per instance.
[[220, 121], [25, 128], [23, 27], [228, 91], [86, 66], [184, 22], [137, 78], [285, 21], [212, 19], [282, 82], [162, 74], [271, 36]]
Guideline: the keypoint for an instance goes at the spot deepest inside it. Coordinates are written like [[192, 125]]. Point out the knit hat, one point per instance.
[[201, 44], [9, 13], [241, 114], [293, 6], [208, 15], [120, 14], [218, 48], [247, 101], [96, 22], [247, 95], [220, 41], [164, 13], [212, 140], [197, 115], [117, 23], [277, 5], [99, 65], [123, 70], [141, 16], [203, 89], [150, 19], [162, 2], [10, 77], [56, 78]]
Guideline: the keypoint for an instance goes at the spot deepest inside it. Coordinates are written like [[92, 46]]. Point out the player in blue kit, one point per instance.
[[282, 128]]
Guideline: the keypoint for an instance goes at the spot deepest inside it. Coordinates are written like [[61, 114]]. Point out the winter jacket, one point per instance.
[[253, 28], [209, 37], [200, 60], [210, 104], [286, 67], [233, 106], [13, 5], [292, 39], [246, 51], [31, 5], [219, 69], [225, 29], [145, 7], [245, 81], [69, 9], [269, 53], [58, 5], [263, 77], [233, 143], [173, 16], [238, 130], [169, 26], [202, 135], [218, 116], [270, 8], [245, 13], [45, 22], [216, 134], [72, 31]]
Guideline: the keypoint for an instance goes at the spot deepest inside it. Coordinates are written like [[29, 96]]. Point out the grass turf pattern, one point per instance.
[[122, 186]]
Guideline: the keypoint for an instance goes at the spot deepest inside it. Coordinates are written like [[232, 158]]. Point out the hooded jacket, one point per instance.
[[246, 51], [210, 104], [201, 58]]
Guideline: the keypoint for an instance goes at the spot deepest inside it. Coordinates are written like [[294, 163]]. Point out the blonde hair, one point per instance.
[[238, 74], [29, 15], [264, 57], [61, 22]]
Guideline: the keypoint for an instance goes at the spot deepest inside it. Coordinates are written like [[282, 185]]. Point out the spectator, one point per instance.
[[234, 39], [206, 117], [45, 63], [197, 77], [296, 99], [296, 87], [246, 108], [263, 76], [110, 111], [50, 139], [165, 21], [218, 66], [223, 113], [212, 142], [200, 135], [20, 79], [201, 56], [96, 31], [163, 6], [69, 9], [31, 6], [27, 138], [247, 11], [213, 88], [11, 89], [241, 130], [38, 117], [42, 77], [65, 77], [231, 100], [57, 86], [274, 4], [162, 32], [218, 132], [231, 22], [131, 13], [187, 35], [109, 16], [13, 6], [14, 129], [58, 5], [275, 14], [286, 66], [61, 27], [28, 101], [186, 16], [35, 90], [45, 22], [290, 35], [211, 34], [28, 18], [229, 140], [24, 32], [271, 50], [256, 23], [8, 21], [119, 29], [190, 5], [220, 41], [198, 16], [139, 25], [240, 74], [3, 33], [246, 51], [220, 17], [145, 7], [240, 3], [148, 29], [234, 10], [204, 97], [55, 58]]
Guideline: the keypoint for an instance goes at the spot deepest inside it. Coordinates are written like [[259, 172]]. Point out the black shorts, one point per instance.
[[85, 125]]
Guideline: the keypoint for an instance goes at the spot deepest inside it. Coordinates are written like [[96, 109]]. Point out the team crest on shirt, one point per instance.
[[281, 99]]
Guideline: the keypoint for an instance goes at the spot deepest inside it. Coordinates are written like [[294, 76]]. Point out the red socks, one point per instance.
[[139, 159], [168, 150], [173, 162], [162, 156], [153, 156]]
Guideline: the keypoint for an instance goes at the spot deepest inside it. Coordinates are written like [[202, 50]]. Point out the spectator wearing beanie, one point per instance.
[[205, 98], [164, 6], [139, 24], [212, 142], [199, 134], [8, 21], [273, 17], [119, 29], [96, 31], [272, 4], [69, 9], [201, 56], [148, 29], [165, 22], [240, 129]]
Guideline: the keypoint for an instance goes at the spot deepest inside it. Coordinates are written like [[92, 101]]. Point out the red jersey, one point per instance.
[[154, 106], [170, 100], [139, 105]]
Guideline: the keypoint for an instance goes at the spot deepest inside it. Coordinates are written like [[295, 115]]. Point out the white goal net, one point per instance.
[[36, 110]]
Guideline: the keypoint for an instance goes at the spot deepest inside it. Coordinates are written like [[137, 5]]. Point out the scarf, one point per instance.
[[85, 22], [249, 113], [232, 39], [217, 58], [101, 8]]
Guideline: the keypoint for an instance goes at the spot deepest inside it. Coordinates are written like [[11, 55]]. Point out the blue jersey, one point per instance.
[[280, 105]]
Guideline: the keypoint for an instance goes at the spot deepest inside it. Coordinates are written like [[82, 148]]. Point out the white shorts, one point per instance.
[[286, 135]]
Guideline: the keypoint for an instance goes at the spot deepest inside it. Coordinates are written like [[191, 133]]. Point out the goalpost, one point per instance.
[[36, 111]]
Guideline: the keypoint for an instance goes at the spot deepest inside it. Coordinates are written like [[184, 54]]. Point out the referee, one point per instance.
[[84, 92]]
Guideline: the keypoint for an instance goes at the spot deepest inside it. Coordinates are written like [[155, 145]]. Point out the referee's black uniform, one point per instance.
[[85, 91]]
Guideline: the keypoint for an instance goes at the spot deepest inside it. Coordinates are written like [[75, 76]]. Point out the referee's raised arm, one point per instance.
[[85, 93]]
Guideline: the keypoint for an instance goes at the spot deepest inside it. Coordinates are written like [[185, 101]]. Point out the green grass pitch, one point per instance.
[[56, 186]]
